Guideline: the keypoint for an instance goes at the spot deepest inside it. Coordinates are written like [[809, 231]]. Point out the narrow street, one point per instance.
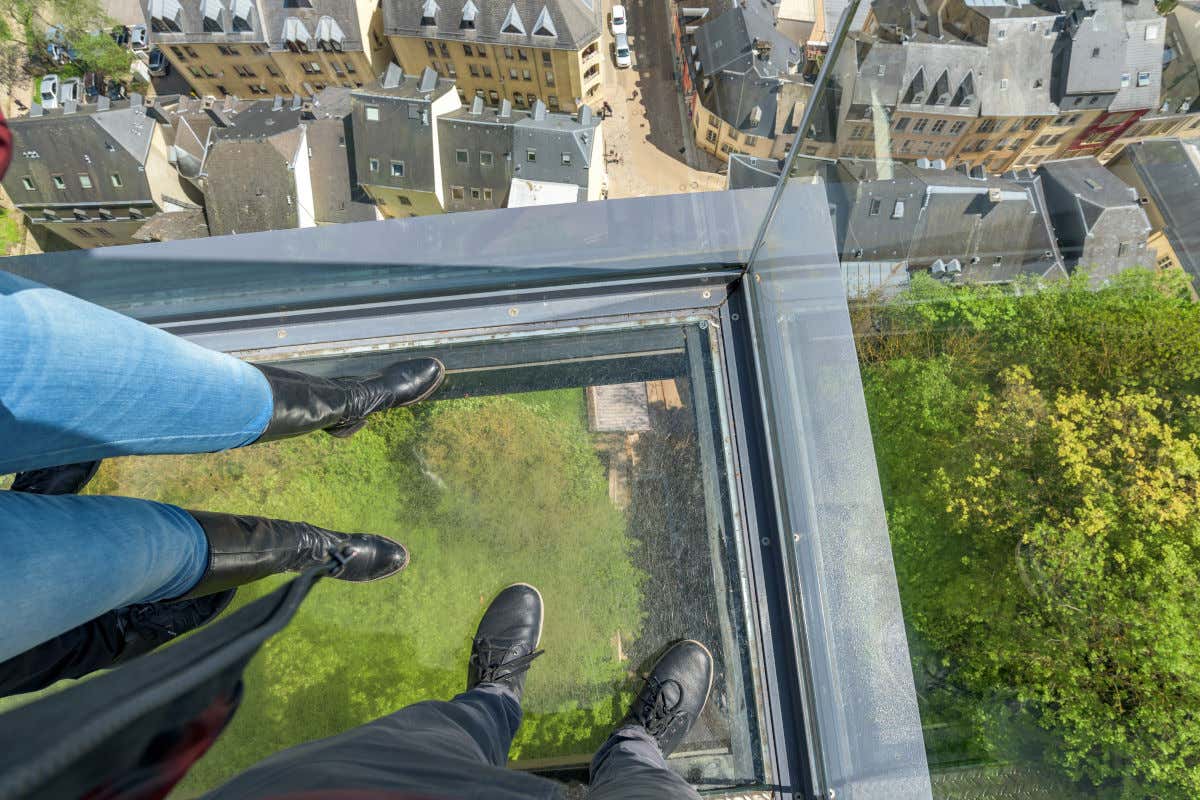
[[646, 131]]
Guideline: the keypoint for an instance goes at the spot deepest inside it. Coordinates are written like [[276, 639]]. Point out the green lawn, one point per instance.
[[484, 492]]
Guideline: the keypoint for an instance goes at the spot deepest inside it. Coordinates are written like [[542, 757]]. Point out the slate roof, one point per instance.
[[752, 172], [742, 80], [98, 143], [1181, 74], [404, 131], [1097, 219], [1168, 171], [1097, 48], [250, 187], [922, 215], [927, 65], [193, 28], [1141, 55], [343, 12], [1019, 70], [173, 226], [572, 23], [516, 132], [337, 197]]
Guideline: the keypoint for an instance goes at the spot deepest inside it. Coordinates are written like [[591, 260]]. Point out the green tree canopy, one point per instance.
[[1041, 470]]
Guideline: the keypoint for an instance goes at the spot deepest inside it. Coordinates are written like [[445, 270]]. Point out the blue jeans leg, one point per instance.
[[79, 383], [629, 766], [67, 559]]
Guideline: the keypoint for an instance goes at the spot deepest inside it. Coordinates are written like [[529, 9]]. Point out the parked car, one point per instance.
[[92, 82], [70, 90], [49, 92], [137, 37], [57, 48], [120, 34], [624, 57], [116, 90], [159, 66], [620, 23]]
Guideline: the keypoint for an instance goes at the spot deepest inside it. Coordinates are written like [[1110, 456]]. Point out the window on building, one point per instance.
[[1001, 33], [208, 73], [1003, 84], [487, 71], [372, 113], [552, 101], [522, 55], [874, 206], [1095, 99], [525, 76], [178, 52], [858, 132], [191, 51], [337, 69], [493, 95], [546, 58], [711, 137], [508, 52], [82, 232], [350, 68], [311, 67], [485, 158], [726, 149], [462, 156], [512, 73], [474, 70], [443, 49], [487, 194], [1033, 124], [549, 78], [273, 70], [59, 183], [467, 50], [987, 126], [1143, 78], [1017, 125], [531, 154], [901, 124], [429, 48], [519, 99], [566, 159], [397, 169], [257, 49], [938, 126], [480, 50], [1151, 32], [898, 209], [451, 70], [28, 183], [457, 193], [474, 192], [285, 89], [373, 164], [751, 140], [957, 127], [920, 125], [531, 98], [403, 200]]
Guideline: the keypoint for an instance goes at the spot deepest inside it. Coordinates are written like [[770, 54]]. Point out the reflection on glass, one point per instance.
[[594, 494], [1027, 343]]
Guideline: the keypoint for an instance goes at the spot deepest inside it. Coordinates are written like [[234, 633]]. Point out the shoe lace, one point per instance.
[[491, 657], [657, 714]]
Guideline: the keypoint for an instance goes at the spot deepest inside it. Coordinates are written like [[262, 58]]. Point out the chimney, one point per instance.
[[154, 111], [585, 115], [762, 48], [936, 9], [278, 104], [306, 110], [505, 110], [296, 102], [477, 106], [539, 110], [994, 195], [209, 106]]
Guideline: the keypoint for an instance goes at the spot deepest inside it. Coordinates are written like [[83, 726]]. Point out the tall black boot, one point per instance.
[[67, 479], [242, 549], [340, 406], [107, 641]]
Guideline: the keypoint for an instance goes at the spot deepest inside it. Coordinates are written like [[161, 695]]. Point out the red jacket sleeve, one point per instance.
[[5, 146]]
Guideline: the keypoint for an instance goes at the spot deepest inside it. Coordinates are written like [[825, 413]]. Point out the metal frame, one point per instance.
[[618, 264]]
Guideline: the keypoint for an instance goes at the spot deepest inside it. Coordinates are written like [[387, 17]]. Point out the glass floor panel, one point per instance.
[[595, 492]]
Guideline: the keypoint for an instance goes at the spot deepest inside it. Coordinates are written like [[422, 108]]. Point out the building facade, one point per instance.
[[252, 48], [521, 51]]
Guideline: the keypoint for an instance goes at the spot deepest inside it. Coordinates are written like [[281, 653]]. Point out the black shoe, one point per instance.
[[507, 639], [67, 479], [674, 694], [242, 549], [340, 406], [147, 626]]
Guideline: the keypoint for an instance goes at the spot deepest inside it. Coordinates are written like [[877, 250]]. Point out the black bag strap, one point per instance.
[[134, 732]]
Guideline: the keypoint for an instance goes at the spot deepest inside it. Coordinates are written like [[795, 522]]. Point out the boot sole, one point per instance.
[[346, 433]]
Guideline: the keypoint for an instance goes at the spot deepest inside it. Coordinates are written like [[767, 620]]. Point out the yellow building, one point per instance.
[[516, 50], [269, 47]]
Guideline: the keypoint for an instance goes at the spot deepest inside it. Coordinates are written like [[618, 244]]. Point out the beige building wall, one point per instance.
[[715, 135], [996, 143], [240, 69], [1185, 126], [401, 203], [519, 74], [319, 69]]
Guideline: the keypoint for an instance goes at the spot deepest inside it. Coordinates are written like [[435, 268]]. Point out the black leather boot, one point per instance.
[[507, 639], [674, 694], [340, 406], [242, 549], [67, 479]]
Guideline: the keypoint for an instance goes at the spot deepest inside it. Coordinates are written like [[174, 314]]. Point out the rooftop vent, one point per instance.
[[211, 11], [938, 267], [978, 173], [505, 109], [477, 106], [544, 26], [756, 115], [585, 115], [539, 111], [241, 11], [330, 35], [297, 101], [429, 13], [953, 267], [428, 80], [995, 195], [391, 76], [166, 16], [922, 163], [296, 36], [277, 105], [469, 13], [938, 163], [512, 21]]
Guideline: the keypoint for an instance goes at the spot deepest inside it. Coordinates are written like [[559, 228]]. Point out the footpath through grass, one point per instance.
[[484, 492]]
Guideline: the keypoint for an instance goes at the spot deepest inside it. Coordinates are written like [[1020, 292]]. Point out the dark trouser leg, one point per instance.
[[629, 766], [437, 749], [83, 649]]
